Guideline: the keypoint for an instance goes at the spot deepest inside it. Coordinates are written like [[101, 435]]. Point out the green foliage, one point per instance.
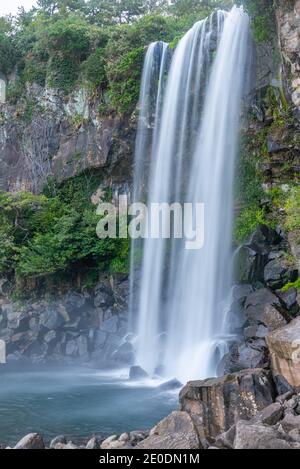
[[94, 69], [292, 208], [47, 234], [248, 220], [8, 55], [295, 284], [124, 81], [249, 191], [262, 16]]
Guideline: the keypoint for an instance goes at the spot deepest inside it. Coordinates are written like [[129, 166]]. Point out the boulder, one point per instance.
[[284, 347], [61, 440], [271, 415], [137, 372], [262, 307], [94, 443], [249, 436], [277, 273], [31, 441], [177, 431], [170, 385], [217, 404]]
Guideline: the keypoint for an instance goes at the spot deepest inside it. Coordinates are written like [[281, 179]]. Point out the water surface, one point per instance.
[[77, 403]]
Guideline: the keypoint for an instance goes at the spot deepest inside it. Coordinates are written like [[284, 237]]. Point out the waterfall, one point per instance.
[[192, 148]]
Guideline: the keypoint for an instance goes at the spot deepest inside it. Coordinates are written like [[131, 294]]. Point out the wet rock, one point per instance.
[[125, 353], [176, 431], [108, 441], [170, 385], [94, 443], [137, 372], [31, 441], [51, 319], [58, 440], [111, 325], [217, 404], [284, 346]]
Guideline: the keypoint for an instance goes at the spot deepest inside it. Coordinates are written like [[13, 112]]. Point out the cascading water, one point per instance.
[[182, 292]]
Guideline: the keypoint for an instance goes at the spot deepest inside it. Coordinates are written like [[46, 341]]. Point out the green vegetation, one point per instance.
[[292, 285], [292, 208], [54, 232], [98, 43], [262, 16]]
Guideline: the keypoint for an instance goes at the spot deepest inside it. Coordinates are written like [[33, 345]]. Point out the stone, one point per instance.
[[272, 414], [249, 436], [72, 348], [217, 404], [106, 444], [61, 439], [110, 325], [177, 431], [284, 347], [69, 445], [250, 357], [82, 344], [261, 308], [31, 441], [125, 353], [170, 385], [255, 332], [51, 319], [277, 273], [283, 388], [226, 440], [94, 443], [137, 372], [290, 422], [289, 297]]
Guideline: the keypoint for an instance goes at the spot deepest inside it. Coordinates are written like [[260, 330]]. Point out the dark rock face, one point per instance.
[[70, 327], [64, 140], [216, 404], [252, 258]]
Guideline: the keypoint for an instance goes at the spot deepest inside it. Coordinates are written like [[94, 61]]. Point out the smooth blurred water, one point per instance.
[[77, 403]]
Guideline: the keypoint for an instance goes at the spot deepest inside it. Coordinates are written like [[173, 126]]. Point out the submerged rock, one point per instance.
[[169, 385], [137, 372]]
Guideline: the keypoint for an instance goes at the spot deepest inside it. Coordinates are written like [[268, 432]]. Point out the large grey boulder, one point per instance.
[[177, 431], [217, 404], [250, 436]]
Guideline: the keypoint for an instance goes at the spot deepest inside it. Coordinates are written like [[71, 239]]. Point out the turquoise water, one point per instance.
[[77, 403]]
